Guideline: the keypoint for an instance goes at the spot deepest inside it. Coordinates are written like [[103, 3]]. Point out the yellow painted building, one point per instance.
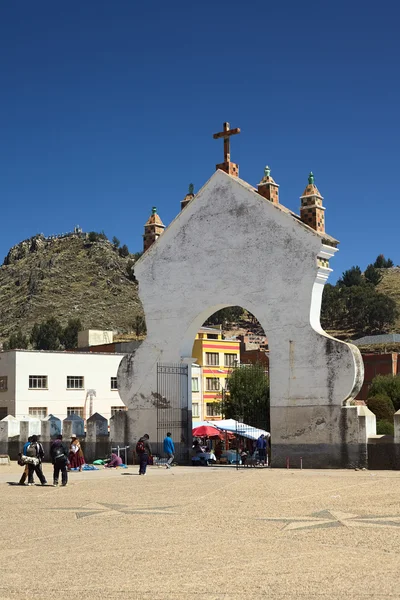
[[216, 357]]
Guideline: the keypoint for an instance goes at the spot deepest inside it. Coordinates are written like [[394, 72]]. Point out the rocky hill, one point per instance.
[[67, 276]]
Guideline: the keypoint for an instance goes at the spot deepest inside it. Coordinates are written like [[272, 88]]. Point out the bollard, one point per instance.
[[301, 462], [287, 463]]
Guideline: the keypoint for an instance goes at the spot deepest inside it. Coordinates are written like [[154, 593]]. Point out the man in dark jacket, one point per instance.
[[35, 450], [143, 450], [59, 457]]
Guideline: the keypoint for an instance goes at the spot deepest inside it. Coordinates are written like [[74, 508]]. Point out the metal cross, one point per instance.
[[226, 133]]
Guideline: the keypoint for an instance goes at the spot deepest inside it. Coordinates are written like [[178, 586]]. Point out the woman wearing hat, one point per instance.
[[76, 458]]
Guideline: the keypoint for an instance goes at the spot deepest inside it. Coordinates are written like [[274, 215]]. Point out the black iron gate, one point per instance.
[[173, 412]]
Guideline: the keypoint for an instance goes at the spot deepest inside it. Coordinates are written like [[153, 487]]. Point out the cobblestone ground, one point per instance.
[[207, 533]]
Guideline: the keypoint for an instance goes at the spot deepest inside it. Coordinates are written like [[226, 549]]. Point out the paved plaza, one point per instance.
[[207, 533]]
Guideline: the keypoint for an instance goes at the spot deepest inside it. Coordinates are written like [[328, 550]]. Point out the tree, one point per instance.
[[333, 308], [115, 242], [47, 335], [69, 337], [225, 316], [372, 275], [247, 398], [140, 325], [93, 236], [387, 385], [124, 251], [385, 427], [383, 263], [382, 407], [17, 341], [351, 277], [382, 313]]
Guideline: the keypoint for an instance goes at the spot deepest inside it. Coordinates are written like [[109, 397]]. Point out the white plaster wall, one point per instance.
[[230, 246], [97, 370], [7, 369]]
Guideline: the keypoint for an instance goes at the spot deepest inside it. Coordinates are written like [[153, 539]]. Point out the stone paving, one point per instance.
[[207, 533]]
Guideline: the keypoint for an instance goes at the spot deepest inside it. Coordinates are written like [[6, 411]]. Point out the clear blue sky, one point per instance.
[[108, 108]]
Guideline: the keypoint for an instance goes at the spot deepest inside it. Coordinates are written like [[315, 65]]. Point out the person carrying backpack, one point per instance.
[[35, 450], [143, 450], [24, 464], [59, 457]]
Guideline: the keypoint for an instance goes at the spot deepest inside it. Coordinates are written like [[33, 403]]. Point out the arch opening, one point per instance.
[[230, 380]]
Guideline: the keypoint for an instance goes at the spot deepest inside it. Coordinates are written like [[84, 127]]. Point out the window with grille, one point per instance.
[[195, 409], [195, 384], [115, 409], [74, 382], [114, 384], [3, 383], [76, 410], [38, 411], [230, 360], [212, 358], [212, 384], [212, 409], [37, 382]]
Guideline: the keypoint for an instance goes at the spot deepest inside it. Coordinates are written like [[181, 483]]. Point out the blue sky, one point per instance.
[[108, 108]]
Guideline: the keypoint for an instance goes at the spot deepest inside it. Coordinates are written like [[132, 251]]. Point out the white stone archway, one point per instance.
[[230, 246]]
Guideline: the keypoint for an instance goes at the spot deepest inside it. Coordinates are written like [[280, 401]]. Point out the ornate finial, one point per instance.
[[191, 188], [267, 171], [311, 178], [154, 210]]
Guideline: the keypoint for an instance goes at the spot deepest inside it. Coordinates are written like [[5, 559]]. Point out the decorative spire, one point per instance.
[[311, 178], [268, 188], [153, 228], [154, 210], [189, 196]]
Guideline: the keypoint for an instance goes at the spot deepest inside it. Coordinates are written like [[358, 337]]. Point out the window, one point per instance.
[[212, 409], [38, 382], [115, 409], [3, 383], [230, 360], [74, 382], [212, 384], [195, 384], [212, 336], [212, 358], [195, 409], [38, 411], [3, 412], [76, 410], [114, 384]]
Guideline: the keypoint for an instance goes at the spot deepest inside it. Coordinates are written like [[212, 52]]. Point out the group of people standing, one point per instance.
[[63, 458]]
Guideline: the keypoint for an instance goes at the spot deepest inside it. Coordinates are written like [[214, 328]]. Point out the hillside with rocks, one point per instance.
[[67, 276]]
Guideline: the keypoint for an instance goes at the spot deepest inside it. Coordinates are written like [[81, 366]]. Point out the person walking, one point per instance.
[[59, 456], [26, 470], [143, 450], [169, 449], [75, 457], [35, 451], [262, 449]]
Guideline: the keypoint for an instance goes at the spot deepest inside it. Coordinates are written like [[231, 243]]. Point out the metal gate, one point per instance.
[[173, 412]]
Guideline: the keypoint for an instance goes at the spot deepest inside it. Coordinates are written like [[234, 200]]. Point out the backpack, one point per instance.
[[58, 453], [140, 446], [32, 450]]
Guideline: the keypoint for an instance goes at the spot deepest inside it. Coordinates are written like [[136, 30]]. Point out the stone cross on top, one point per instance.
[[227, 165]]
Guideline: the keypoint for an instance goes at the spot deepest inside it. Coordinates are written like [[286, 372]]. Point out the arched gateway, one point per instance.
[[235, 245]]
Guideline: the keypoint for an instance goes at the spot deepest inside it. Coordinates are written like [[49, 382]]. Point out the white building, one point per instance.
[[40, 383]]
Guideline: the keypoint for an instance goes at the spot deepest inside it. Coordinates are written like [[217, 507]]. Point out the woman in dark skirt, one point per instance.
[[76, 458]]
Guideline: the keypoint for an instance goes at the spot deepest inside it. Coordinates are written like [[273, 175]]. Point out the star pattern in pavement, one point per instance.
[[102, 508], [335, 518]]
